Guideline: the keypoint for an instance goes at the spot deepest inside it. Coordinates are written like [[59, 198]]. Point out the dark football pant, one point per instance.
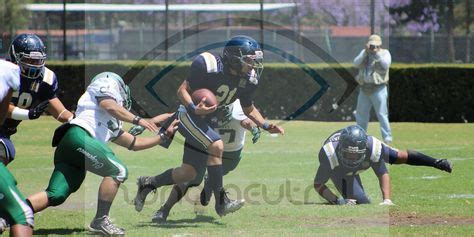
[[7, 149], [351, 187]]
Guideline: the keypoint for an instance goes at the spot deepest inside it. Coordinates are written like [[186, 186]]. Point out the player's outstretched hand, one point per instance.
[[171, 130], [273, 128], [136, 130], [386, 202], [255, 134], [148, 124], [36, 112], [203, 109]]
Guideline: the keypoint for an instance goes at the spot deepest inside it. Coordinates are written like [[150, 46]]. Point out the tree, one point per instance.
[[12, 17]]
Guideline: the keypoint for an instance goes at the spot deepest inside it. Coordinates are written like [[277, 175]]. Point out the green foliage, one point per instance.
[[418, 92]]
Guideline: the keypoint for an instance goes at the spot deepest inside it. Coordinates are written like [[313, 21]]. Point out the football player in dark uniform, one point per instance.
[[233, 76], [37, 92], [350, 151]]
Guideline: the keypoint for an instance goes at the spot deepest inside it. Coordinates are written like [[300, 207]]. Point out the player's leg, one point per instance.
[[416, 158], [194, 158], [197, 130], [380, 101], [230, 161], [68, 174], [7, 150], [350, 187], [13, 207], [100, 159], [363, 110]]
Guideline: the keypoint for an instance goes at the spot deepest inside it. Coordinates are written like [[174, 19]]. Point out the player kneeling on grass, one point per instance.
[[81, 146], [350, 151]]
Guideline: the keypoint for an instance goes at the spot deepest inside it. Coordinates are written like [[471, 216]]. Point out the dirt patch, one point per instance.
[[414, 219], [394, 219]]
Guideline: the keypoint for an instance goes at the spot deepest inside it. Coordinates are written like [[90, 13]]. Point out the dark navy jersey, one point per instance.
[[208, 71], [31, 93], [329, 166]]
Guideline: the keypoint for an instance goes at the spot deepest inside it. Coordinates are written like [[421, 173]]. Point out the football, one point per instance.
[[199, 94]]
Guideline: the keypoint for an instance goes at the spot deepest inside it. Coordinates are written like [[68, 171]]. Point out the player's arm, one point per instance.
[[35, 112], [384, 182], [248, 124], [184, 95], [4, 105], [58, 111], [252, 113], [135, 143], [158, 120], [119, 112], [380, 169]]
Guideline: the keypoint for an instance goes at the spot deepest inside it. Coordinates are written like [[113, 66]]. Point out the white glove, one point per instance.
[[386, 202], [342, 201]]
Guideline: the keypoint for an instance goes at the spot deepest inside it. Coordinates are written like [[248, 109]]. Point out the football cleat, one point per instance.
[[105, 226], [444, 164], [144, 188], [226, 205], [206, 194], [3, 225], [161, 215]]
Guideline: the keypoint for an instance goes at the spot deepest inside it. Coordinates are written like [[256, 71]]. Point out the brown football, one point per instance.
[[199, 94]]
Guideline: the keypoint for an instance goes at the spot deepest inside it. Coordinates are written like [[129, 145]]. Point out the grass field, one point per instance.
[[275, 177]]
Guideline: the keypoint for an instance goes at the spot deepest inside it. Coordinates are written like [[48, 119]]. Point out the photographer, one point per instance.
[[373, 63]]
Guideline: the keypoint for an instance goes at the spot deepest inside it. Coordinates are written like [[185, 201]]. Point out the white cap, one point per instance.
[[375, 40]]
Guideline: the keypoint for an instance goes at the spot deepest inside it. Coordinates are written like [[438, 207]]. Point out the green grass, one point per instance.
[[275, 177]]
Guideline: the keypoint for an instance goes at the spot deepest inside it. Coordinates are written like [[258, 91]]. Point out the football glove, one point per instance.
[[386, 202], [36, 112], [342, 201], [136, 130], [255, 134]]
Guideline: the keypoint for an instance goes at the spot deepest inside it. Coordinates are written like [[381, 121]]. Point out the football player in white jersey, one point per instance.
[[13, 207], [81, 146]]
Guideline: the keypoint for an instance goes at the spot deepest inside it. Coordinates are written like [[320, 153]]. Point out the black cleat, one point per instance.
[[144, 188], [161, 215], [205, 196], [444, 164], [227, 205]]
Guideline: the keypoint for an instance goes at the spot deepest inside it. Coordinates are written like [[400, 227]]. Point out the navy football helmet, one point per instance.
[[352, 146], [29, 53], [243, 50]]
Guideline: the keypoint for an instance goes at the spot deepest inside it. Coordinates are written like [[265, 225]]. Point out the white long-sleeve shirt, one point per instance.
[[373, 67]]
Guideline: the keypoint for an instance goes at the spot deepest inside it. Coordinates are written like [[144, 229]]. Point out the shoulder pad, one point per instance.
[[376, 149], [48, 76], [331, 154], [211, 62]]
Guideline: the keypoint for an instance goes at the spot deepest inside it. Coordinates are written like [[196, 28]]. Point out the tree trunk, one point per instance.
[[468, 31], [450, 31]]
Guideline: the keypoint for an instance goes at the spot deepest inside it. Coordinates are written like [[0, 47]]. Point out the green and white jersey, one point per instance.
[[9, 78], [90, 116], [232, 133]]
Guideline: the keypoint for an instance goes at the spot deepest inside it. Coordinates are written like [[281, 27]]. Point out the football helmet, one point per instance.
[[29, 53], [352, 146], [243, 50], [124, 89]]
